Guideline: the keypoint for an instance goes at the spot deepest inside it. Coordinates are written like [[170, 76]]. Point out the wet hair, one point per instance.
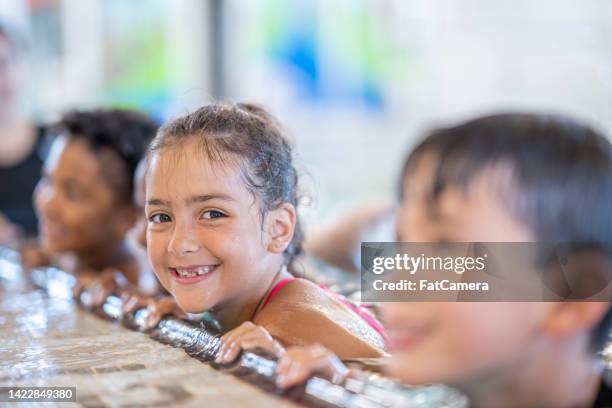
[[120, 133], [561, 176], [249, 135]]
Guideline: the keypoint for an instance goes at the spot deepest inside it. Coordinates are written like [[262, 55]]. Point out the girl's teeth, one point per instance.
[[191, 273]]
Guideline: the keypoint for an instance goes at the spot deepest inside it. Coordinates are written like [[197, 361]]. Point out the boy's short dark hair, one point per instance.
[[562, 175], [125, 133]]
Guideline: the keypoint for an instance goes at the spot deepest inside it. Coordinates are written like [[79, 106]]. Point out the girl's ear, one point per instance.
[[280, 226], [568, 318]]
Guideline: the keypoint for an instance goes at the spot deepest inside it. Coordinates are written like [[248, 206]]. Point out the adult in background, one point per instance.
[[21, 148]]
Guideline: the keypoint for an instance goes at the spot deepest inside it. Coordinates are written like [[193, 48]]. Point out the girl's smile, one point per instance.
[[188, 275]]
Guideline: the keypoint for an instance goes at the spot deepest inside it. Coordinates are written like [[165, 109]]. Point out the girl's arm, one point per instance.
[[301, 315], [305, 324]]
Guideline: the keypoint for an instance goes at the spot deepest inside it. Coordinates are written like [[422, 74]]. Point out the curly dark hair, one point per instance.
[[249, 133], [125, 134]]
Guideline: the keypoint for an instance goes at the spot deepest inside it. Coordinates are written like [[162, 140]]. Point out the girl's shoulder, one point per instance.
[[302, 313], [300, 294]]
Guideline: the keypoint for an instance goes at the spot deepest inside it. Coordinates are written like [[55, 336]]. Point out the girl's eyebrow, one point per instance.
[[207, 197], [157, 201], [192, 199]]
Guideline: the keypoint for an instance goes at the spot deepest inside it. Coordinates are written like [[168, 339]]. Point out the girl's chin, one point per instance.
[[192, 307], [194, 310]]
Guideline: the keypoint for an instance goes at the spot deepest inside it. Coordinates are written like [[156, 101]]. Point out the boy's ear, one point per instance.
[[281, 226], [568, 318]]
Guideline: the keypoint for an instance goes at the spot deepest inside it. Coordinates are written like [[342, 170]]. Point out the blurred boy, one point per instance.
[[503, 178]]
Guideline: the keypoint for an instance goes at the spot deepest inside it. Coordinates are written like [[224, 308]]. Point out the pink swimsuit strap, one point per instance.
[[279, 285], [358, 310]]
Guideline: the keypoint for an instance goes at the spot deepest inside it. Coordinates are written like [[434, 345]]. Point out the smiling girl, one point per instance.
[[223, 231]]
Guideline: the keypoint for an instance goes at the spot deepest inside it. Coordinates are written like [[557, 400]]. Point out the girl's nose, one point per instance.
[[183, 242]]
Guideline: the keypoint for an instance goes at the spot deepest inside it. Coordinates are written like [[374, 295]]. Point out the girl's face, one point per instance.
[[450, 342], [205, 238], [77, 209]]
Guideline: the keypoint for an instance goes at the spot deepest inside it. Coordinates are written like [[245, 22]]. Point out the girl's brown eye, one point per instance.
[[159, 218], [211, 214]]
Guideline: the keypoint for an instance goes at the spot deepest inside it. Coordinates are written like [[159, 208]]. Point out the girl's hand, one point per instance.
[[94, 292], [156, 307], [298, 364], [246, 336]]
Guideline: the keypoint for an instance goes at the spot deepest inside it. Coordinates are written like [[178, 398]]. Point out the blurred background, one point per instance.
[[355, 82]]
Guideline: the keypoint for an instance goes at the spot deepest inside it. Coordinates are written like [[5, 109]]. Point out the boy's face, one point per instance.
[[202, 220], [76, 208], [447, 342]]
